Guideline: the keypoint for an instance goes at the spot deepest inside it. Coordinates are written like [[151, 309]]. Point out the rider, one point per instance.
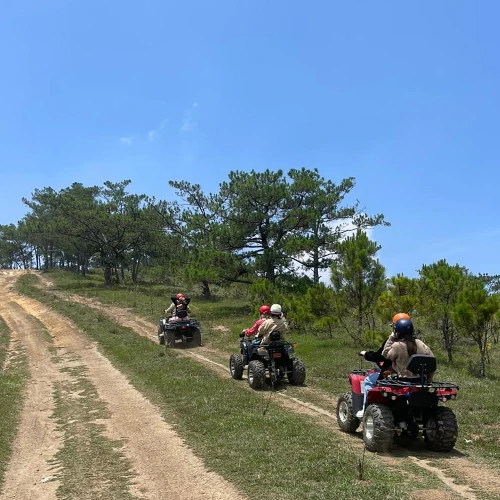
[[179, 304], [384, 364], [276, 322], [264, 313], [401, 345]]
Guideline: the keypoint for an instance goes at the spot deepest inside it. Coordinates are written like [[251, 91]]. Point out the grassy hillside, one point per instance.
[[273, 454], [328, 361]]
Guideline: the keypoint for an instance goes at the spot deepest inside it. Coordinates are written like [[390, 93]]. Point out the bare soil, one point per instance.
[[149, 443], [475, 478]]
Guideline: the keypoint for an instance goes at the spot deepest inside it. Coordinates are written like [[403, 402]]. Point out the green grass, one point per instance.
[[277, 455], [12, 382], [90, 465], [328, 361]]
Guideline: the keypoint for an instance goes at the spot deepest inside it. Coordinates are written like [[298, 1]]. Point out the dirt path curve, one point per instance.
[[149, 443], [476, 477]]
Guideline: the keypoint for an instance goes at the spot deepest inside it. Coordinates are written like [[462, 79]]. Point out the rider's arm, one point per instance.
[[170, 309], [264, 328], [286, 326], [394, 351], [388, 345], [252, 331], [374, 356]]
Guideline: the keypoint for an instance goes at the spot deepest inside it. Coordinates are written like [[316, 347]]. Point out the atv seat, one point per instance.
[[275, 337], [182, 313], [422, 365]]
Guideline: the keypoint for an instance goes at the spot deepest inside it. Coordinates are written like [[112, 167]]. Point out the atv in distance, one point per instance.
[[267, 362], [179, 329], [398, 405]]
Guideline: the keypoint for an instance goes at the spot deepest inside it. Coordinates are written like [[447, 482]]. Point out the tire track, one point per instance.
[[478, 477], [149, 443]]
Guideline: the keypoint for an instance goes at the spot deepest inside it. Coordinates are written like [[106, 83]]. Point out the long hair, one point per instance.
[[411, 345]]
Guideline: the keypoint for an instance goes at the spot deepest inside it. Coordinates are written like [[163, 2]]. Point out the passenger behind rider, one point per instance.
[[180, 304], [401, 345], [264, 313], [384, 364], [180, 315], [276, 322]]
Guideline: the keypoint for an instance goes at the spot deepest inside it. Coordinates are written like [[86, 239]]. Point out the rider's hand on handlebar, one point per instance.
[[242, 334], [361, 353]]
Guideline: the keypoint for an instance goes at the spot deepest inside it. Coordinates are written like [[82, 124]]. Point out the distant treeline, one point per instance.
[[273, 234]]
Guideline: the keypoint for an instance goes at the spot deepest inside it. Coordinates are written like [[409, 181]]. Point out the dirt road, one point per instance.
[[75, 395], [473, 477], [142, 455]]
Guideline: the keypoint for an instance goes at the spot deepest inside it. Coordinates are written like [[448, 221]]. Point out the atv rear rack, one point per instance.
[[397, 383]]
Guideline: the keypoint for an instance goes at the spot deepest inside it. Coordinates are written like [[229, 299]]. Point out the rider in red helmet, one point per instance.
[[264, 313], [180, 303], [275, 323]]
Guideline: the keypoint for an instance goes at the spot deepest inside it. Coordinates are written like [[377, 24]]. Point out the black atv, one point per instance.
[[182, 331], [401, 406], [276, 358]]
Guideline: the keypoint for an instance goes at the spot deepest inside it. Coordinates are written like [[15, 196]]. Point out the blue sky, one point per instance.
[[404, 96]]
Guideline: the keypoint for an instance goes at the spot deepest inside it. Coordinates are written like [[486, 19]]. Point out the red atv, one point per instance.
[[399, 405]]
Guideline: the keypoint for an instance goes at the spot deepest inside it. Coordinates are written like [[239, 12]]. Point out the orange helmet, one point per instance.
[[400, 316]]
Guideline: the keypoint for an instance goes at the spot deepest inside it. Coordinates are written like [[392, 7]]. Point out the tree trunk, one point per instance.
[[135, 270], [449, 353], [482, 363], [205, 289], [447, 339], [108, 273], [316, 268]]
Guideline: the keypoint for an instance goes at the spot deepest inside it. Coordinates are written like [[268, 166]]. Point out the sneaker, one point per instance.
[[360, 414]]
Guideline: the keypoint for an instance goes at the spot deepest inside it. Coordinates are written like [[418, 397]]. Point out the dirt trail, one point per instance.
[[148, 441], [37, 440], [476, 477]]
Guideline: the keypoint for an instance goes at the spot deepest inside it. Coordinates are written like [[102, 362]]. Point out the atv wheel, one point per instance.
[[347, 420], [170, 340], [441, 430], [256, 374], [378, 428], [298, 374], [197, 336], [236, 366], [161, 338]]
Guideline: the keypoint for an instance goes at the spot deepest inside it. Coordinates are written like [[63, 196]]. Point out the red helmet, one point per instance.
[[180, 296], [264, 310]]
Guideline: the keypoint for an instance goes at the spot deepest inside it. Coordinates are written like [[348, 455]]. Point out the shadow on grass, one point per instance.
[[406, 446]]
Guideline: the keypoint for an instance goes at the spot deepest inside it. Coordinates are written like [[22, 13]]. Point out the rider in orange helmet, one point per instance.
[[399, 316], [384, 363]]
